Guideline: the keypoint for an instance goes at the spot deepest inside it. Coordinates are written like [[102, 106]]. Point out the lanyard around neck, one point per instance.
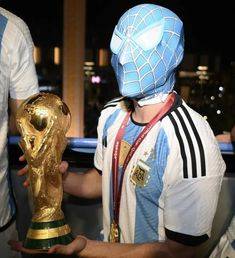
[[116, 153]]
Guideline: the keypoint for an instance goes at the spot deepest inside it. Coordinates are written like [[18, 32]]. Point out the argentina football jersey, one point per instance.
[[156, 180]]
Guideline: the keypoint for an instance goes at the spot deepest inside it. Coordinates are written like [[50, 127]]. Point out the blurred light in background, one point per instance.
[[37, 55], [57, 56], [95, 79]]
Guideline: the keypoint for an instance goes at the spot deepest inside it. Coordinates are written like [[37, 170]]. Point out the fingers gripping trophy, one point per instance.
[[43, 120]]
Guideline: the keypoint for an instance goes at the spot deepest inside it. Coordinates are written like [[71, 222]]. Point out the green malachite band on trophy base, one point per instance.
[[50, 224], [45, 244], [42, 235]]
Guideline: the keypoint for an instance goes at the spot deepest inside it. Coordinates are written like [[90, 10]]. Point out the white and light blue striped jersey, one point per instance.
[[172, 182], [18, 80]]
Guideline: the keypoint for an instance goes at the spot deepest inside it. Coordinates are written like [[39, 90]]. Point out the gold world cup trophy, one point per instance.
[[43, 120]]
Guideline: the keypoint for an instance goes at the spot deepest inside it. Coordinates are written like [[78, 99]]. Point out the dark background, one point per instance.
[[209, 25], [209, 28]]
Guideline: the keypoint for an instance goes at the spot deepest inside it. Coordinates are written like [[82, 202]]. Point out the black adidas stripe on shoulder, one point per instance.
[[189, 135], [199, 141], [114, 102]]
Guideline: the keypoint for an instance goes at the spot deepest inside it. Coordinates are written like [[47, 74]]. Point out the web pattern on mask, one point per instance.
[[145, 73]]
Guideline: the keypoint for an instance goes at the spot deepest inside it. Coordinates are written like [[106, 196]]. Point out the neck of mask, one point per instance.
[[153, 99]]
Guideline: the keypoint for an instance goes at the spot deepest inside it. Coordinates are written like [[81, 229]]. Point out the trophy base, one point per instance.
[[43, 235]]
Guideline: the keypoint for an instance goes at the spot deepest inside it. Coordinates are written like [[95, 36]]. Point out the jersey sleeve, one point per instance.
[[98, 157], [23, 77], [190, 209], [194, 174], [108, 110], [101, 141]]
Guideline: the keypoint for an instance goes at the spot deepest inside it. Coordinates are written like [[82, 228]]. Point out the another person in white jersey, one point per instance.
[[18, 80], [157, 165], [225, 247]]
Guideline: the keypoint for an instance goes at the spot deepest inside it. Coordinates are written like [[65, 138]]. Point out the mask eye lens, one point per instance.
[[115, 43], [150, 38]]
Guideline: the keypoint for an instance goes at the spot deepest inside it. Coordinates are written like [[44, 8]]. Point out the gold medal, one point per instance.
[[114, 233]]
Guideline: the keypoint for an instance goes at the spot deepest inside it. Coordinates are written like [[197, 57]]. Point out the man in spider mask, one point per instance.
[[157, 164]]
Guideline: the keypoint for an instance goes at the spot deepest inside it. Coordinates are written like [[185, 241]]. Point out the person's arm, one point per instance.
[[232, 133], [96, 249], [13, 105], [23, 80], [83, 185]]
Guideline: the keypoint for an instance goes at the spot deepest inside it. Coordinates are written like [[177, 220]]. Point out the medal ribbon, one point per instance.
[[135, 145]]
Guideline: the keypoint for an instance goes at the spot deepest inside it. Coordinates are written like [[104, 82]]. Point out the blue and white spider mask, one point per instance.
[[147, 45]]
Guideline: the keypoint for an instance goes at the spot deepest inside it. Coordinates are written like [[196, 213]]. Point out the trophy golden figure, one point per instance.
[[43, 120]]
